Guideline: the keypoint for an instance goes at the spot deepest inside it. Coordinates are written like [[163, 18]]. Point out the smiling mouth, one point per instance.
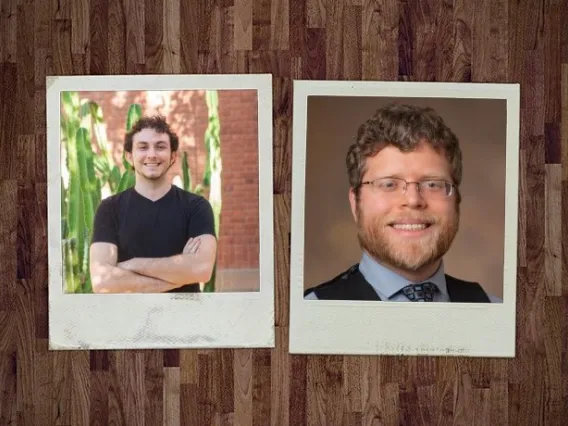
[[410, 227]]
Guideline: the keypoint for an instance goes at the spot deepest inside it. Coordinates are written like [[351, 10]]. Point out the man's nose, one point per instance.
[[413, 196]]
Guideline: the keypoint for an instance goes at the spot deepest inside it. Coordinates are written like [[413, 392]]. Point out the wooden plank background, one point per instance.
[[424, 40]]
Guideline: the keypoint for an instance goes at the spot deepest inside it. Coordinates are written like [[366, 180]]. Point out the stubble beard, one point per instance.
[[411, 255], [154, 178]]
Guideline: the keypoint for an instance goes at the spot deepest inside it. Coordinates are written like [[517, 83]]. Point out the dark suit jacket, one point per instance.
[[352, 285]]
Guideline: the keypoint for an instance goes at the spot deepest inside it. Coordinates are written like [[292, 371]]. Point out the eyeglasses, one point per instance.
[[433, 188]]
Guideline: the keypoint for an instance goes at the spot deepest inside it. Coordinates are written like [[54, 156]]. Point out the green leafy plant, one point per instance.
[[84, 175], [213, 168]]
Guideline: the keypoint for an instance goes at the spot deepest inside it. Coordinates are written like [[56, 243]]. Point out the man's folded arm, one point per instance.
[[107, 277], [191, 266]]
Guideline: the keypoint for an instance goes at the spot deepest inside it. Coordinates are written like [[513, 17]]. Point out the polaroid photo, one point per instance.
[[404, 218], [157, 238]]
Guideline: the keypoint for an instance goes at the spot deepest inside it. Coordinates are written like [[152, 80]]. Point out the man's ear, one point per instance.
[[173, 158], [353, 203]]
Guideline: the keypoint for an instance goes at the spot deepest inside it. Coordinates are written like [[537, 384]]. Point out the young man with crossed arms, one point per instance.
[[154, 237]]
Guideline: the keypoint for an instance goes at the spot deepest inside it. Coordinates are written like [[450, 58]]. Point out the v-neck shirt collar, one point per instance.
[[148, 200]]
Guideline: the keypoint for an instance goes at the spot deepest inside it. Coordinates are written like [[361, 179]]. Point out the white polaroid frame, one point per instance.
[[403, 328], [173, 320]]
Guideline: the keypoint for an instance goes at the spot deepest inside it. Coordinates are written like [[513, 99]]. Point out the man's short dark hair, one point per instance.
[[404, 127], [156, 122]]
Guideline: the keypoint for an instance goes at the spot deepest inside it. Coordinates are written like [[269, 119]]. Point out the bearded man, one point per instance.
[[404, 170], [153, 237]]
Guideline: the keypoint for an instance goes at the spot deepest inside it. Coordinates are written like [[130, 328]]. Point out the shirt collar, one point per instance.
[[387, 282]]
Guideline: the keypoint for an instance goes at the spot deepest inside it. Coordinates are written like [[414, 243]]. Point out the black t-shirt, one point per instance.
[[140, 227]]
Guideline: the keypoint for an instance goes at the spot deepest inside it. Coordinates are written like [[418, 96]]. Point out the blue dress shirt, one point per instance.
[[388, 283]]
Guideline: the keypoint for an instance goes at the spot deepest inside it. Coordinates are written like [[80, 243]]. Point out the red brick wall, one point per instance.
[[239, 139], [186, 112]]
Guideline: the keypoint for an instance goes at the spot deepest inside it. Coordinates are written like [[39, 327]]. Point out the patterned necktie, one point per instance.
[[423, 292]]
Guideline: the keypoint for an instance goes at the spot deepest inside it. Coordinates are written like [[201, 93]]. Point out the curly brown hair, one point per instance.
[[402, 126], [158, 123]]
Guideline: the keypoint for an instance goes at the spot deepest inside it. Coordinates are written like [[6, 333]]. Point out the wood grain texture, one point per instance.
[[135, 34], [463, 40], [8, 31], [189, 37], [243, 25], [171, 42], [98, 37], [380, 20], [279, 28], [243, 385], [117, 46], [280, 378], [426, 40]]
